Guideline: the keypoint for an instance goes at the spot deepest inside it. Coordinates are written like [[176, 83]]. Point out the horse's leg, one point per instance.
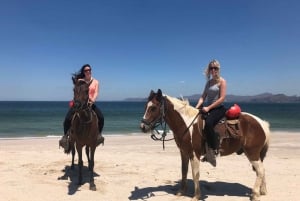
[[260, 177], [91, 166], [196, 174], [263, 186], [87, 151], [184, 171], [80, 163], [73, 156]]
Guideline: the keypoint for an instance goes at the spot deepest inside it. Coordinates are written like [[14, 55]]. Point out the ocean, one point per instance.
[[45, 119]]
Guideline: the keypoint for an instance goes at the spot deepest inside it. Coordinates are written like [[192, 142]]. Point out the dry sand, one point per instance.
[[137, 168]]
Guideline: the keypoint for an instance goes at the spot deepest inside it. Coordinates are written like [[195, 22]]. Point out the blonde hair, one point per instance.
[[214, 63]]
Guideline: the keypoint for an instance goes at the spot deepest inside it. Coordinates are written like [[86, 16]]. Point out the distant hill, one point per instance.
[[260, 98]]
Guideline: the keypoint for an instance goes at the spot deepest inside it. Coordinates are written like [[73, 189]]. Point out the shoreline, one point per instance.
[[275, 132], [59, 136]]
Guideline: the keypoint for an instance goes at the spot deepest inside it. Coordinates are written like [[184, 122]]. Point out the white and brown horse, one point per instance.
[[188, 134]]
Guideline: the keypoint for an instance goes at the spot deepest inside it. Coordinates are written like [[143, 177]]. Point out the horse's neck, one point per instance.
[[85, 114], [174, 120]]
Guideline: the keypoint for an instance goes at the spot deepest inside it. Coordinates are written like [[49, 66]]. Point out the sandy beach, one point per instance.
[[137, 168]]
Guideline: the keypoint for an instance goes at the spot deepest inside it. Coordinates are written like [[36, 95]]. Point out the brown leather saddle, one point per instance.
[[228, 128]]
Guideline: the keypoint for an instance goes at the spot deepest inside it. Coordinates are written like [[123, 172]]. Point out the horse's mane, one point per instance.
[[183, 106]]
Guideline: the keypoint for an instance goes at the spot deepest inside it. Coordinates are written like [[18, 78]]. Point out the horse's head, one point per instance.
[[154, 111], [81, 93]]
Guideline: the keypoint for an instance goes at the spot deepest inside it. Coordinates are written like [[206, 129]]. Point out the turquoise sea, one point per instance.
[[45, 119]]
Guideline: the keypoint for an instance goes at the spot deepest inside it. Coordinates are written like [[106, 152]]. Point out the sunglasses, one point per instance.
[[87, 70], [213, 68]]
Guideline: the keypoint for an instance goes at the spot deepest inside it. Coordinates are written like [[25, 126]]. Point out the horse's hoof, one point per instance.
[[179, 193], [195, 199], [93, 187], [255, 198], [263, 191]]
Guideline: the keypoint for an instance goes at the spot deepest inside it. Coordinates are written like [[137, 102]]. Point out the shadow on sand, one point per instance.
[[72, 175], [207, 188]]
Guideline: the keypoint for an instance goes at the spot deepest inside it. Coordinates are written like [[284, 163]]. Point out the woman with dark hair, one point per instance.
[[85, 73]]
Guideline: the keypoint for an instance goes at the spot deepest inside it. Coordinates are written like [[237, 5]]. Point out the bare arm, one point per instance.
[[201, 100], [93, 96]]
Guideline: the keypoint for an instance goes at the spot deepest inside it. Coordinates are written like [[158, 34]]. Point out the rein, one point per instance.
[[163, 135], [87, 111]]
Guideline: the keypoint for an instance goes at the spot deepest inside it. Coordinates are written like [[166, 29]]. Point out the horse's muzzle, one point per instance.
[[145, 127]]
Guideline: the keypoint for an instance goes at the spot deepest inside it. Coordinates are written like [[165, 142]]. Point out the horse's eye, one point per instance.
[[153, 109]]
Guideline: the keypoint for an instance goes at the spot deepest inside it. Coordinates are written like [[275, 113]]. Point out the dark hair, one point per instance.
[[80, 73]]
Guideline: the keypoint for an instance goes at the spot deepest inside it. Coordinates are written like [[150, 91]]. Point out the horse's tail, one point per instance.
[[264, 151], [266, 128]]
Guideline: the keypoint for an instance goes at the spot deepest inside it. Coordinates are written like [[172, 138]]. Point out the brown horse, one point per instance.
[[84, 129], [188, 134]]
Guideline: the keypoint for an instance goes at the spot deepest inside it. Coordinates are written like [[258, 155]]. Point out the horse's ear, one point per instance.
[[151, 95], [81, 81], [74, 80], [159, 95]]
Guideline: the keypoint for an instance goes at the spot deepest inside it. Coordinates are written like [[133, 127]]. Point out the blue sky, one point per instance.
[[134, 46]]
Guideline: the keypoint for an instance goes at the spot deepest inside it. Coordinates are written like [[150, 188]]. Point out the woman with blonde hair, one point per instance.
[[211, 103]]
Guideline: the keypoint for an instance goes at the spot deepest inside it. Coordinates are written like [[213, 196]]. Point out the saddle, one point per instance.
[[228, 128]]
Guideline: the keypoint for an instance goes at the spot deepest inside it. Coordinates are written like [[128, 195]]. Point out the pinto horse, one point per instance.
[[84, 129], [189, 137]]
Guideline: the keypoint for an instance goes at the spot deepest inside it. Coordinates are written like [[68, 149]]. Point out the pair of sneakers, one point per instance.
[[64, 143], [100, 139], [210, 155]]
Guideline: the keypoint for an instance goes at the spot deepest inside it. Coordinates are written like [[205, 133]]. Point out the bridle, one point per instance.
[[82, 107], [161, 123]]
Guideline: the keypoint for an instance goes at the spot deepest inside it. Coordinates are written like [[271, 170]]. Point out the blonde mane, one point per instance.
[[183, 106]]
